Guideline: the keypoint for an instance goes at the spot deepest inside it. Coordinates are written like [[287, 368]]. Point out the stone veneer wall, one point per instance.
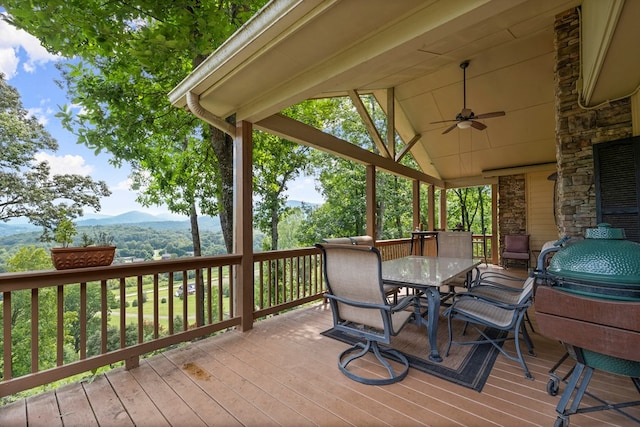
[[512, 206], [577, 129]]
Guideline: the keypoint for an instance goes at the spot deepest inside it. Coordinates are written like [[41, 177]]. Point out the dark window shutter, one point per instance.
[[617, 179]]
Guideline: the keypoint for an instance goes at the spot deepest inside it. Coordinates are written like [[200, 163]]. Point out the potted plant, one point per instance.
[[93, 251]]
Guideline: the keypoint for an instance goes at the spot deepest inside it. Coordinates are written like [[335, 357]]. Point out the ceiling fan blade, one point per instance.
[[450, 128], [489, 115], [442, 121], [478, 125]]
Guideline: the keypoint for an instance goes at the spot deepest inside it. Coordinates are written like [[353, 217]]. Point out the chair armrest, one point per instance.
[[357, 303], [493, 276], [489, 301], [496, 285], [404, 303]]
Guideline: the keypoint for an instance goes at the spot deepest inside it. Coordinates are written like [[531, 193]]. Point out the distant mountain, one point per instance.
[[132, 217], [142, 219], [298, 203], [7, 229]]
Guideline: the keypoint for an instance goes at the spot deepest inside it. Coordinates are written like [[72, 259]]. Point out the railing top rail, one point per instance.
[[44, 278], [285, 253]]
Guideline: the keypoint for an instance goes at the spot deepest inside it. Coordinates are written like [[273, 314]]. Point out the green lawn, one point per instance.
[[163, 308]]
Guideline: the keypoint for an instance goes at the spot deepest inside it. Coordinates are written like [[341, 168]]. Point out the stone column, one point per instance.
[[577, 129]]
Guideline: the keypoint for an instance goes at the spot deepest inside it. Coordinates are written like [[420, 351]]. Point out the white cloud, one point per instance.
[[40, 114], [11, 41], [67, 164], [8, 61], [123, 186]]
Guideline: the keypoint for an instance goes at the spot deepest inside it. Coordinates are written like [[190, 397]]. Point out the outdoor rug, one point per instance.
[[466, 365]]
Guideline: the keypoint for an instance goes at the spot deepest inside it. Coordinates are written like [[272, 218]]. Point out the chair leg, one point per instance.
[[495, 342], [382, 354]]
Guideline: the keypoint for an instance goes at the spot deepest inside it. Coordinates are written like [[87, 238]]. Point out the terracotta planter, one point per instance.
[[79, 257]]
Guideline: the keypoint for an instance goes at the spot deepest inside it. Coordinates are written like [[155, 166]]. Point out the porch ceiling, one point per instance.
[[296, 50]]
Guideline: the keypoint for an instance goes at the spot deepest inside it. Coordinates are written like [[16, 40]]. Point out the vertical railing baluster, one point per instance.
[[260, 284], [156, 307], [35, 336], [269, 285], [232, 308], [220, 294], [199, 298], [60, 325], [170, 299], [104, 313], [300, 279], [8, 339], [209, 297], [123, 312], [140, 310], [185, 293], [83, 320]]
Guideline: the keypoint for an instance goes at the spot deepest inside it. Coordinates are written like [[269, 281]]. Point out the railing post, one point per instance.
[[132, 362], [243, 222]]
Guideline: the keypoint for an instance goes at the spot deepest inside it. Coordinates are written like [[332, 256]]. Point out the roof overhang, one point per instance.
[[297, 50]]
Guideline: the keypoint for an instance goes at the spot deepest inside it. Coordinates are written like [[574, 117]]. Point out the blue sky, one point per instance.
[[30, 69]]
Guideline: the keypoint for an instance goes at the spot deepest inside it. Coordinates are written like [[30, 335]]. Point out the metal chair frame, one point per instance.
[[482, 312], [373, 334]]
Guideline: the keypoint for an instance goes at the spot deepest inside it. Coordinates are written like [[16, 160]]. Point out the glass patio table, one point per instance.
[[428, 275]]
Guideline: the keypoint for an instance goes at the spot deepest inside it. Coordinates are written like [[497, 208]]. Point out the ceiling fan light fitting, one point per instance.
[[464, 124]]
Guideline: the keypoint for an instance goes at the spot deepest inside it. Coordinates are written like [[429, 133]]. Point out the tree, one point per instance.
[[27, 188], [276, 162], [463, 206], [130, 56], [30, 258]]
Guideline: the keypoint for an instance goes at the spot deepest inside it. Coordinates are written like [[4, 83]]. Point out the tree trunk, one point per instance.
[[222, 145], [274, 229], [197, 251]]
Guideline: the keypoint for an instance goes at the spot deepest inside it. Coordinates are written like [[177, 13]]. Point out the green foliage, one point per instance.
[[29, 258], [64, 232], [27, 188], [276, 162], [470, 207], [127, 57]]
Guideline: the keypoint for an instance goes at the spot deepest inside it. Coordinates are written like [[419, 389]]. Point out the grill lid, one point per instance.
[[604, 256]]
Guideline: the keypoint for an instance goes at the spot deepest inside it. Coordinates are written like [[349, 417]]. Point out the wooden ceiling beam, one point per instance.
[[301, 133]]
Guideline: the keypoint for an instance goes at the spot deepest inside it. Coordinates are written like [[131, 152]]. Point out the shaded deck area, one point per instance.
[[283, 372]]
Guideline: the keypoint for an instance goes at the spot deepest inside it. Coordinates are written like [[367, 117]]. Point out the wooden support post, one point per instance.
[[494, 224], [432, 208], [243, 222], [391, 122], [416, 204], [443, 209], [371, 201]]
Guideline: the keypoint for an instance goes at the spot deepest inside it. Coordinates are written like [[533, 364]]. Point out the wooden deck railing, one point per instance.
[[57, 324], [79, 320]]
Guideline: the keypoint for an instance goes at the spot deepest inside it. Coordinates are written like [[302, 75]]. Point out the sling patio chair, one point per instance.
[[360, 307], [502, 288], [390, 290], [481, 313], [516, 248]]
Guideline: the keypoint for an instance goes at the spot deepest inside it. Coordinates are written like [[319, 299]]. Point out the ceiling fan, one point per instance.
[[467, 118]]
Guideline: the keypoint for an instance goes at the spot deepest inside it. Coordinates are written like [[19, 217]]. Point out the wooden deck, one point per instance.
[[283, 372]]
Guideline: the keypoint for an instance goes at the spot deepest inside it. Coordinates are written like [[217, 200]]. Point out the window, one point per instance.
[[617, 180]]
